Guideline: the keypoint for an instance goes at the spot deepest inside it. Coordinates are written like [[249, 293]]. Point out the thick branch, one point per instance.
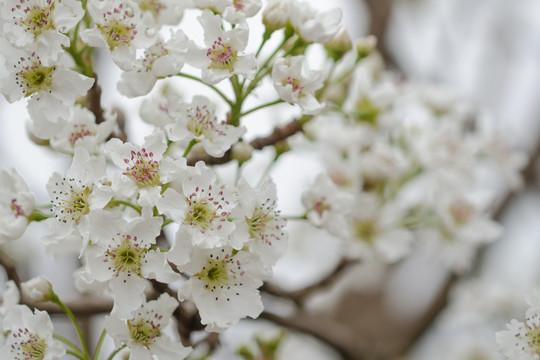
[[338, 336], [93, 101], [299, 296]]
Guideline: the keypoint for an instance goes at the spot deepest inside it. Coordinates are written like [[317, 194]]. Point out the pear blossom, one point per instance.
[[161, 59], [144, 168], [81, 130], [156, 13], [197, 120], [38, 289], [51, 87], [30, 336], [375, 230], [295, 86], [328, 206], [223, 54], [224, 282], [202, 206], [520, 340], [258, 222], [311, 25], [143, 331], [119, 28], [16, 205], [121, 256], [74, 196], [40, 25], [276, 15]]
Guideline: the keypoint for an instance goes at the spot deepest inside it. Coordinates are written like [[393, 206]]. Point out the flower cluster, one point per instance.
[[157, 225]]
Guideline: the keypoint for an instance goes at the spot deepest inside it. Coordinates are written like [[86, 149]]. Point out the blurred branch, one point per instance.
[[299, 296], [93, 101], [380, 11], [9, 266], [338, 336]]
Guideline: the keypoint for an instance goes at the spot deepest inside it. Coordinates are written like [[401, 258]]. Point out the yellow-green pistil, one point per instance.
[[366, 111], [366, 230], [38, 19], [214, 274], [143, 331], [128, 257], [35, 78]]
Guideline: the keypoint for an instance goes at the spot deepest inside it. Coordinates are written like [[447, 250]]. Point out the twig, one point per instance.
[[279, 134], [93, 101], [11, 271], [299, 296]]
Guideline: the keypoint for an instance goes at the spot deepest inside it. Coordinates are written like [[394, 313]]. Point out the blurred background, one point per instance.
[[487, 52]]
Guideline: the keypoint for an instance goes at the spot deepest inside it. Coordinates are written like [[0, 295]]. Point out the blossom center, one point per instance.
[[295, 84], [205, 210], [215, 273], [259, 223], [143, 169], [143, 331], [366, 230], [221, 55], [201, 121], [533, 339], [34, 77], [238, 5], [461, 212], [366, 111], [28, 346], [79, 131], [71, 200], [152, 6], [38, 19], [320, 207], [127, 257], [16, 208], [117, 28]]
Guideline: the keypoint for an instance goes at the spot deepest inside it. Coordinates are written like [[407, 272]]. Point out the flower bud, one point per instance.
[[242, 152], [275, 15], [38, 289], [365, 46], [339, 45]]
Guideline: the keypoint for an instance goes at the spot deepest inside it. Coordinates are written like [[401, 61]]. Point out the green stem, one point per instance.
[[278, 101], [296, 217], [219, 92], [113, 354], [38, 216], [75, 348], [263, 70], [166, 222], [189, 147], [126, 203], [77, 355], [100, 344], [55, 299]]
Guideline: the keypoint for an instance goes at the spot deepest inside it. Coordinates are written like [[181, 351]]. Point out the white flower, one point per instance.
[[73, 198], [144, 168], [521, 339], [81, 130], [40, 25], [222, 58], [328, 206], [202, 207], [118, 26], [312, 26], [16, 204], [375, 230], [295, 86], [258, 222], [160, 59], [156, 13], [276, 15], [38, 289], [198, 121], [30, 336], [120, 256], [143, 331], [224, 283], [51, 86]]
